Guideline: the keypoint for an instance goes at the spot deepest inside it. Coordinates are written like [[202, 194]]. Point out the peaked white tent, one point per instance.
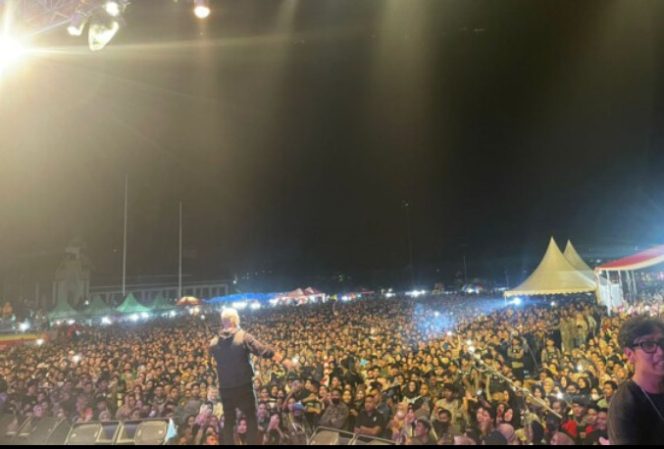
[[577, 261], [554, 275]]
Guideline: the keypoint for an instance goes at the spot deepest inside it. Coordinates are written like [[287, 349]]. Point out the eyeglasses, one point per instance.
[[650, 346]]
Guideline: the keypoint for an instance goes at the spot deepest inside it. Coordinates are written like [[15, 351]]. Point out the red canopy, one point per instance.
[[638, 261]]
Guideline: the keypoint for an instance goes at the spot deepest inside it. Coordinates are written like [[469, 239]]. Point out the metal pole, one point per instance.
[[465, 268], [180, 257], [124, 240], [636, 290], [621, 283], [410, 244]]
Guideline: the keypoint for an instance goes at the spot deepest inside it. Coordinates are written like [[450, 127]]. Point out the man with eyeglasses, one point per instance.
[[636, 413]]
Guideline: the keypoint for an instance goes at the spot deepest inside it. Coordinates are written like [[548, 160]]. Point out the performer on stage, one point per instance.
[[231, 350]]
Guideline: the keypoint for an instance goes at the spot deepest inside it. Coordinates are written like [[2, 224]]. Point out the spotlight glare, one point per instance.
[[202, 8], [39, 341], [112, 9], [100, 34], [11, 51], [202, 11]]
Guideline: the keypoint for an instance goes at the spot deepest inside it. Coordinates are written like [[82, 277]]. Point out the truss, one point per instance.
[[39, 16]]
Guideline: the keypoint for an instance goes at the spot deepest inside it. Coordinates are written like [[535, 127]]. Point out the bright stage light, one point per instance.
[[106, 321], [134, 317], [112, 9], [77, 24], [11, 52], [101, 33], [516, 301], [39, 341], [24, 326], [202, 9]]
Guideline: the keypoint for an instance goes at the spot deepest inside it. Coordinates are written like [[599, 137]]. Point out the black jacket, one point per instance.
[[232, 356]]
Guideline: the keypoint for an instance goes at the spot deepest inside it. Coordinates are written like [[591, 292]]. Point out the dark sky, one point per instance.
[[293, 131]]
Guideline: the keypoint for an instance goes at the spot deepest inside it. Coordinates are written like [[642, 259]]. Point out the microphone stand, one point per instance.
[[524, 391]]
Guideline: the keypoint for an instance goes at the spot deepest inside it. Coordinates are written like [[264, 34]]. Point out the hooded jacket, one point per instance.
[[232, 356]]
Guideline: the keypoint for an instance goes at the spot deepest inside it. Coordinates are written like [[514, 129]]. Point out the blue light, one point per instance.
[[516, 301]]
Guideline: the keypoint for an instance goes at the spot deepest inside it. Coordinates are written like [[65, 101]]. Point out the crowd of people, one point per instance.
[[438, 370]]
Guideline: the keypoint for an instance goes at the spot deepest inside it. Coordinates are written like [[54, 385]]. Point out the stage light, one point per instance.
[[106, 321], [202, 9], [113, 9], [255, 306], [145, 316], [39, 341], [24, 326], [70, 322], [134, 317], [172, 314], [11, 51], [553, 304], [77, 24], [101, 33], [517, 301]]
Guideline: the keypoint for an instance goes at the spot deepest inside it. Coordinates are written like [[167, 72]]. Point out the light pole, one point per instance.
[[406, 206]]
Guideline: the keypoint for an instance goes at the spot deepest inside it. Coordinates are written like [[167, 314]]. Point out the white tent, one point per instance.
[[554, 275], [577, 262]]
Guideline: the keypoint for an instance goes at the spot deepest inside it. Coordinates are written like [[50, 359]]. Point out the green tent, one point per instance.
[[63, 311], [98, 308], [161, 303], [131, 305]]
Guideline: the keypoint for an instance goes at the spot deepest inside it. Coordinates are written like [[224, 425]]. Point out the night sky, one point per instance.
[[293, 131]]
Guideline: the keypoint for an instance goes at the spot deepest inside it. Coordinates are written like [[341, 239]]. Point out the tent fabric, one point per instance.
[[162, 303], [188, 301], [577, 262], [644, 259], [131, 305], [98, 307], [554, 275], [260, 297], [62, 311]]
